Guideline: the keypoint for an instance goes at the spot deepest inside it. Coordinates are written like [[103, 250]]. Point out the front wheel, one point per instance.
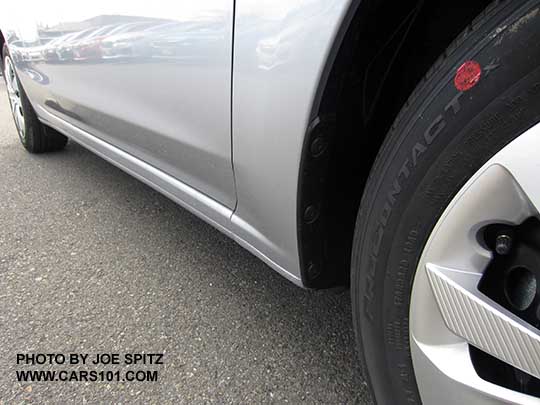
[[34, 136], [446, 255]]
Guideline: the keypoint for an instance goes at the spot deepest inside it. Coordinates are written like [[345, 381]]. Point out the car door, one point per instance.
[[153, 79]]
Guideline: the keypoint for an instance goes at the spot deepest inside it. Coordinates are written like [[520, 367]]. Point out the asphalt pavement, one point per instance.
[[93, 261]]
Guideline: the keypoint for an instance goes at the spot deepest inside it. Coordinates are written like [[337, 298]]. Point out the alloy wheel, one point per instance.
[[14, 95], [475, 306]]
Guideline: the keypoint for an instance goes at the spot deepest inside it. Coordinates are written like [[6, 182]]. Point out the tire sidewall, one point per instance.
[[434, 148]]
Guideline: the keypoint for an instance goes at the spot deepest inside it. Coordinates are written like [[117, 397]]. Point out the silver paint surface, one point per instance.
[[156, 84], [162, 91], [280, 50]]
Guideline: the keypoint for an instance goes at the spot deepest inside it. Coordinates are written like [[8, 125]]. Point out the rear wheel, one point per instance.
[[446, 256], [34, 136]]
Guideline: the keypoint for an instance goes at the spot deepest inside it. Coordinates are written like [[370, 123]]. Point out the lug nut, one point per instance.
[[503, 244]]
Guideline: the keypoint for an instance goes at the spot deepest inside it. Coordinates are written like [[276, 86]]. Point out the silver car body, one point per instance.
[[214, 117]]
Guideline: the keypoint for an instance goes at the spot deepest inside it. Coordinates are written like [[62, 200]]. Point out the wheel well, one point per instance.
[[381, 53]]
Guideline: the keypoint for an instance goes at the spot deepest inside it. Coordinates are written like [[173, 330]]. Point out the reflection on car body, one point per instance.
[[155, 38], [119, 43], [65, 49], [185, 41], [90, 46]]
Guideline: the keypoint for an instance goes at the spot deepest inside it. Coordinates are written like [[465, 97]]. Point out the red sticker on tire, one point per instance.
[[468, 75]]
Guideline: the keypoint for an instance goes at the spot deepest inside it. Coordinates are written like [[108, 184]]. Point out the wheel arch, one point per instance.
[[375, 63]]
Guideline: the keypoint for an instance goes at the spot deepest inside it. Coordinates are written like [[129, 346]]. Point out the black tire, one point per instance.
[[37, 137], [439, 140]]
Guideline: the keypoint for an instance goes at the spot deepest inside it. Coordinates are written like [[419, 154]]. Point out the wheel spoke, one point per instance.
[[20, 124], [482, 322], [14, 107], [15, 84], [469, 212], [8, 83], [519, 158], [12, 100]]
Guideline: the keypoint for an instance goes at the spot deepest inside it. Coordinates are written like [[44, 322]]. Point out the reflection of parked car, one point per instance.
[[50, 52], [33, 55], [119, 42], [89, 47], [171, 40], [186, 41], [138, 43], [65, 50]]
